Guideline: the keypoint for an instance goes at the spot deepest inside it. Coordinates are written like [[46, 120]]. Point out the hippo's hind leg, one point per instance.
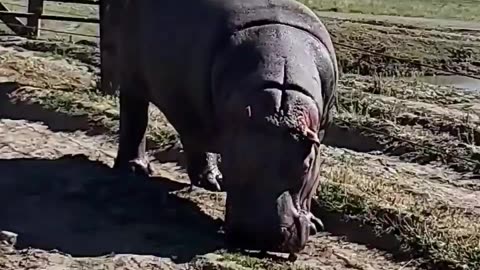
[[131, 157], [202, 168]]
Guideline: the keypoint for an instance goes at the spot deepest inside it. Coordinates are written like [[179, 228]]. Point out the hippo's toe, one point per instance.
[[204, 172], [138, 167], [212, 179]]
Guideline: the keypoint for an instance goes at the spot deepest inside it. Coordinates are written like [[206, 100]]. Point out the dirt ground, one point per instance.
[[60, 194], [70, 211]]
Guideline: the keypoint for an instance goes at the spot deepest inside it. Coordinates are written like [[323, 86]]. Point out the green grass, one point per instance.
[[445, 9]]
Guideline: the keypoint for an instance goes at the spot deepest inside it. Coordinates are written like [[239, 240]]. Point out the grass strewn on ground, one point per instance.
[[423, 224], [101, 111], [399, 112], [446, 237], [443, 9], [409, 88], [444, 50], [238, 261], [57, 87]]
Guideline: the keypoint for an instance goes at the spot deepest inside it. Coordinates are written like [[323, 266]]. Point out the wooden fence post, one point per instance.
[[33, 22], [107, 77], [12, 21]]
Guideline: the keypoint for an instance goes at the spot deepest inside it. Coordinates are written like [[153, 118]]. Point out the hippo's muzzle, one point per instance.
[[285, 230], [296, 224]]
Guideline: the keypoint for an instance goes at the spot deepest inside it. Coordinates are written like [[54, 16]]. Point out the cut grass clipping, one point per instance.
[[445, 237]]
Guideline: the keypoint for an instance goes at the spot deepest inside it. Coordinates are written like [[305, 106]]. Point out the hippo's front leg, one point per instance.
[[131, 157]]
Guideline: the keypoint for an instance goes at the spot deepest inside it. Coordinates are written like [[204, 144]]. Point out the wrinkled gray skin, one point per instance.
[[252, 80]]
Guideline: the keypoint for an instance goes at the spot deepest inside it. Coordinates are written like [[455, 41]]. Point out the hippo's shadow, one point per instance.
[[80, 207]]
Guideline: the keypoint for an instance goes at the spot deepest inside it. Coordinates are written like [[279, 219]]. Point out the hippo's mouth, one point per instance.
[[297, 223], [268, 200], [286, 229]]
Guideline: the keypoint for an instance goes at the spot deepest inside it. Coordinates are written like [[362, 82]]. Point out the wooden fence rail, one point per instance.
[[32, 27], [35, 13]]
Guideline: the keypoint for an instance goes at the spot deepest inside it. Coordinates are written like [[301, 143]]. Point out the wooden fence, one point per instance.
[[32, 27], [35, 13]]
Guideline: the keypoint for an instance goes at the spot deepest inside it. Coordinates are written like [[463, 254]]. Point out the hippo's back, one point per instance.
[[185, 35], [248, 13], [172, 43]]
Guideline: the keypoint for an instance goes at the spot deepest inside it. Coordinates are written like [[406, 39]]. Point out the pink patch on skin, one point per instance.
[[308, 123]]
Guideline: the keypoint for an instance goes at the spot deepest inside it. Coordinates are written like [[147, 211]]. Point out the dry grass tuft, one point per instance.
[[56, 74], [446, 50], [444, 236], [101, 111], [400, 112]]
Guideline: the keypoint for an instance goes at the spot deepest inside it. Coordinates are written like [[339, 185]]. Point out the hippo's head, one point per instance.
[[272, 92], [270, 164]]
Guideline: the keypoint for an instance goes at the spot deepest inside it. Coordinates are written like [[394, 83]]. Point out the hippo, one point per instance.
[[250, 81]]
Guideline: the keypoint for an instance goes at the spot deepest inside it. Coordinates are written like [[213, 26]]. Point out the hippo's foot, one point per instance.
[[211, 177], [203, 171], [137, 167]]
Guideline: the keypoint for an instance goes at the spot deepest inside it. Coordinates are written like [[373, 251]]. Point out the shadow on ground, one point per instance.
[[80, 207], [350, 138], [25, 110]]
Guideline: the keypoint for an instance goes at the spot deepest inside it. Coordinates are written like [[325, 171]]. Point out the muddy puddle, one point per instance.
[[466, 83]]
